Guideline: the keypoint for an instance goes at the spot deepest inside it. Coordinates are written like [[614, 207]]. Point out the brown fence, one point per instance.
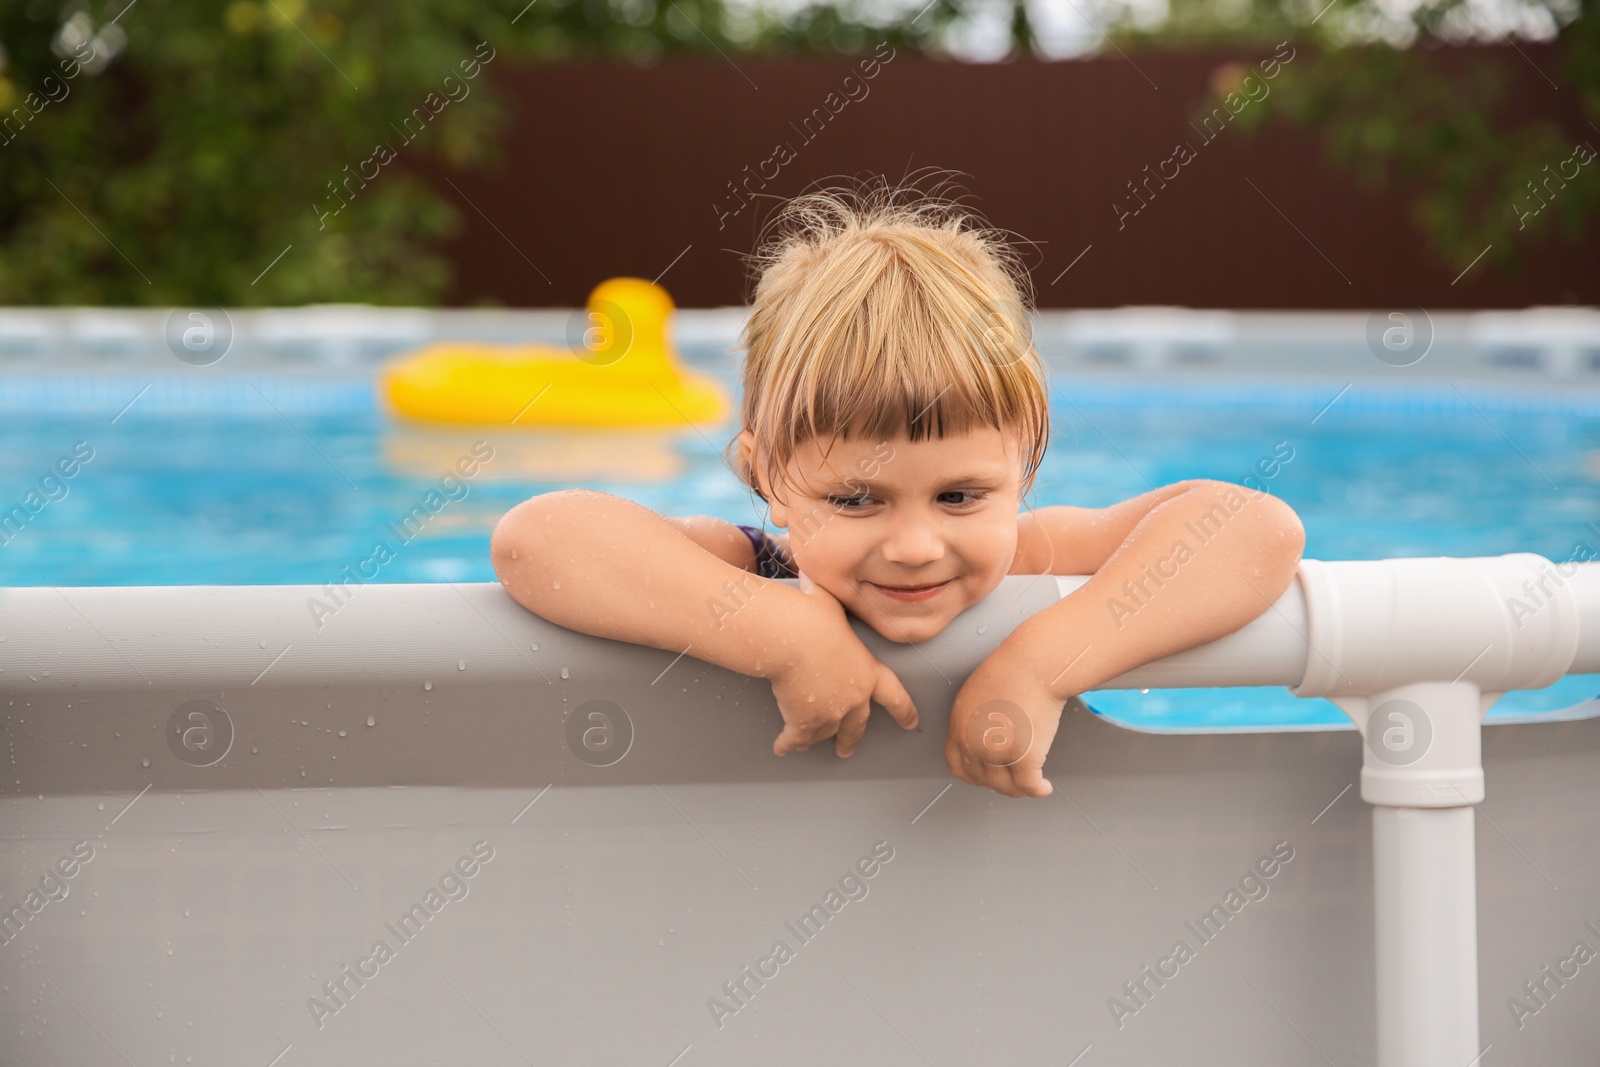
[[669, 170]]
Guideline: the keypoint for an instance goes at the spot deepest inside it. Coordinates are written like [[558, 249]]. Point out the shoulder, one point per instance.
[[1064, 539], [1061, 539]]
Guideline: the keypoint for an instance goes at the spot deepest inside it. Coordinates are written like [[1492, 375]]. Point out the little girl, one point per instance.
[[894, 415]]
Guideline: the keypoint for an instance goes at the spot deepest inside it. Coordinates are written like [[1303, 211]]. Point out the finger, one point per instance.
[[960, 764], [977, 767], [1002, 779], [1016, 788], [1029, 771], [893, 696], [794, 738], [952, 760], [851, 727], [1028, 778], [999, 779]]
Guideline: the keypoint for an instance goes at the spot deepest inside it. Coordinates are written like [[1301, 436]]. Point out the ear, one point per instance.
[[746, 441]]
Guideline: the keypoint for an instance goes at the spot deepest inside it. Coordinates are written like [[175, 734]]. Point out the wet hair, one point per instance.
[[882, 312]]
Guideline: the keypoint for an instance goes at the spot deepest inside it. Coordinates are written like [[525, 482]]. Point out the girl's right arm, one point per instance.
[[606, 566]]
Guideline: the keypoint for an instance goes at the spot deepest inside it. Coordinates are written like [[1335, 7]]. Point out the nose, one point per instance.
[[914, 540]]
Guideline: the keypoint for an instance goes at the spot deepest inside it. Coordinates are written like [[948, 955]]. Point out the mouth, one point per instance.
[[911, 593]]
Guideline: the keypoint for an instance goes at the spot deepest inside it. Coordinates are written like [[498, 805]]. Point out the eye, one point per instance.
[[975, 497], [850, 503]]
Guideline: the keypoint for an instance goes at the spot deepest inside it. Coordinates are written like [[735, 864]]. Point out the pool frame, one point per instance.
[[472, 739]]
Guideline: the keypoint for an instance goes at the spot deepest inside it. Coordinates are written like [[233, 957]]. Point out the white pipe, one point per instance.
[[1425, 919], [120, 638], [175, 637], [1416, 652], [1585, 586]]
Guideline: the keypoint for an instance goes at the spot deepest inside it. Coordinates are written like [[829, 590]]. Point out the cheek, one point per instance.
[[993, 545], [836, 547]]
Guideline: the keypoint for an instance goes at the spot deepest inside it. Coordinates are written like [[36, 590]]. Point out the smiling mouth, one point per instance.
[[913, 592]]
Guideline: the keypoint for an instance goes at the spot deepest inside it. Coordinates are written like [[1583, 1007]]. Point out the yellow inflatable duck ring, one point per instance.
[[623, 375]]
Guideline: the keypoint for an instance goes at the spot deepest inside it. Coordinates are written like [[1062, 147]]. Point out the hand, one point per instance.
[[1002, 725], [828, 690]]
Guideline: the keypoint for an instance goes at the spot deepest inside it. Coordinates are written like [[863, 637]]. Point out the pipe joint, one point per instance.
[[1472, 629], [1423, 744]]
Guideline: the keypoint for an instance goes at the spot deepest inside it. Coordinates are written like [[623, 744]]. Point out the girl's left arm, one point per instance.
[[1064, 539], [1174, 568]]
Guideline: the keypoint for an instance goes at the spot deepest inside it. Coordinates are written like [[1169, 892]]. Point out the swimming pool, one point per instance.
[[254, 475], [624, 908]]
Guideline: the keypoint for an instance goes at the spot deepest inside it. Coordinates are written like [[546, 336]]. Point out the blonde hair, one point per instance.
[[879, 314]]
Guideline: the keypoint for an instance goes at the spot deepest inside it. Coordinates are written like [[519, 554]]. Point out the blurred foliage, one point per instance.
[[1474, 181], [164, 152], [1400, 103]]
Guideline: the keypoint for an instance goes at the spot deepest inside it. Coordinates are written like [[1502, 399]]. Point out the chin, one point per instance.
[[908, 631]]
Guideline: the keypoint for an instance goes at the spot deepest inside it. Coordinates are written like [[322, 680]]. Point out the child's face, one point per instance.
[[869, 520]]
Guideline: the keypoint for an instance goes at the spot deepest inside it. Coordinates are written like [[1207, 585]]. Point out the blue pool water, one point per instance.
[[267, 495]]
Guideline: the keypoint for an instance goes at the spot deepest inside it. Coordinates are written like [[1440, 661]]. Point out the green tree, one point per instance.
[[168, 152], [1439, 131]]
